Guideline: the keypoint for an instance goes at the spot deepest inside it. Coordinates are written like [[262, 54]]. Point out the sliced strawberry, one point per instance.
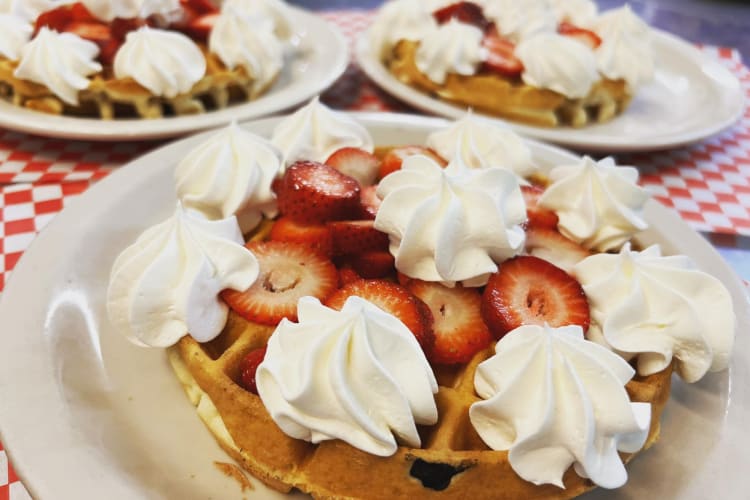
[[460, 332], [356, 236], [121, 27], [200, 27], [248, 367], [548, 244], [369, 202], [200, 6], [393, 299], [100, 34], [356, 163], [466, 12], [313, 192], [501, 55], [288, 271], [79, 12], [347, 274], [56, 19], [537, 216], [317, 236], [528, 290], [375, 264], [394, 158], [581, 34]]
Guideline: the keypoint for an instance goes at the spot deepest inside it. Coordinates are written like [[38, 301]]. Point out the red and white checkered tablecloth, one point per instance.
[[707, 183]]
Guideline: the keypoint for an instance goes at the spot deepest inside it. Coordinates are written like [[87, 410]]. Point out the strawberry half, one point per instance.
[[248, 368], [549, 244], [395, 157], [466, 12], [393, 299], [460, 332], [288, 271], [537, 216], [501, 57], [356, 163], [371, 265], [583, 35], [311, 192], [356, 236], [317, 236], [528, 290]]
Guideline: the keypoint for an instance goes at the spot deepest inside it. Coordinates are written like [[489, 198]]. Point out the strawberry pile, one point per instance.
[[324, 244]]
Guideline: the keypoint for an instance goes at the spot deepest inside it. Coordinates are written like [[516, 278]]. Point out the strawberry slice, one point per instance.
[[581, 34], [347, 275], [394, 158], [313, 192], [288, 271], [317, 236], [369, 202], [200, 27], [460, 332], [528, 290], [466, 12], [56, 19], [371, 265], [356, 163], [549, 244], [100, 34], [79, 12], [537, 216], [200, 6], [248, 367], [356, 236], [501, 57], [393, 299], [121, 27]]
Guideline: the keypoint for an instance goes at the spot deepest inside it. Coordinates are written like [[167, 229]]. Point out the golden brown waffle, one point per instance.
[[108, 97], [511, 98], [453, 462]]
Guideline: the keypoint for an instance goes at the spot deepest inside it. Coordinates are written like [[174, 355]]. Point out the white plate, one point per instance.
[[320, 59], [693, 96], [85, 414]]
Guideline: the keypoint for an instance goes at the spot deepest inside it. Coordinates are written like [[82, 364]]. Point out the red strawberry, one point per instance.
[[313, 192], [369, 202], [356, 236], [347, 275], [288, 271], [317, 236], [100, 34], [200, 27], [537, 216], [581, 34], [79, 12], [466, 12], [548, 244], [200, 6], [56, 19], [501, 55], [248, 367], [459, 329], [394, 158], [356, 163], [375, 264], [393, 299], [121, 27], [527, 290]]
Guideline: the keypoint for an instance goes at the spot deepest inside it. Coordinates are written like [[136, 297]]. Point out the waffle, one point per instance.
[[453, 462], [109, 98], [511, 98]]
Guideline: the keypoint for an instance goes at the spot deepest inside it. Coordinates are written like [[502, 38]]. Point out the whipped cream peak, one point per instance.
[[315, 131], [230, 174], [626, 51], [167, 63], [554, 399], [621, 20], [166, 284], [28, 10], [274, 12], [599, 204], [15, 32], [659, 309], [518, 21], [452, 224], [453, 47], [108, 10], [357, 375], [60, 61], [400, 20]]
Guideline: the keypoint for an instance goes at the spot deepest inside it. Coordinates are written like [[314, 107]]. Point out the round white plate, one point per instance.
[[319, 59], [693, 96], [86, 414]]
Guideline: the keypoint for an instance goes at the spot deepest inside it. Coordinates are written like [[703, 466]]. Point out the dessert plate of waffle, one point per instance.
[[76, 390]]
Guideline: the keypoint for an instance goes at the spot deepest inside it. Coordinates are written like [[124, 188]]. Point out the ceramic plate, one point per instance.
[[693, 96], [85, 414], [321, 57]]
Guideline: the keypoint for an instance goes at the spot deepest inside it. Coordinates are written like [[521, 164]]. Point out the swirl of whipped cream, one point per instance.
[[241, 41], [579, 12], [400, 20], [230, 174], [453, 47], [59, 61], [481, 143], [357, 375], [14, 34], [554, 399], [274, 12], [107, 10], [451, 224], [599, 204], [659, 309], [167, 63], [28, 10], [518, 21], [166, 285], [315, 131], [558, 63]]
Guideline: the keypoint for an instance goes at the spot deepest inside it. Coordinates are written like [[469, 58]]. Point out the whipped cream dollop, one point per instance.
[[274, 12], [167, 63], [28, 10], [659, 309], [554, 399], [599, 204], [230, 174], [400, 20], [481, 143], [579, 12], [315, 131], [166, 285], [60, 61], [108, 10], [15, 32], [518, 21], [451, 224], [243, 41], [357, 375], [453, 47]]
